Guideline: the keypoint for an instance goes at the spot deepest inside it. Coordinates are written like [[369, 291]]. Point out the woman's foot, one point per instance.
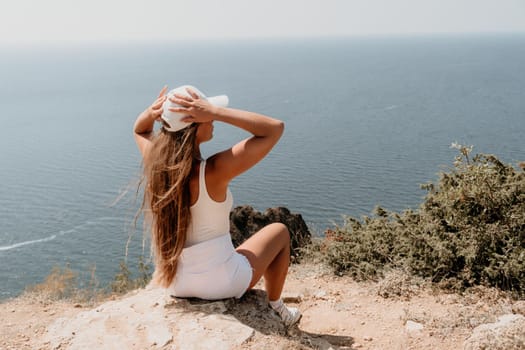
[[289, 315]]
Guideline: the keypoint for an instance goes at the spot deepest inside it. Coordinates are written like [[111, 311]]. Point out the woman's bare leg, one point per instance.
[[268, 251]]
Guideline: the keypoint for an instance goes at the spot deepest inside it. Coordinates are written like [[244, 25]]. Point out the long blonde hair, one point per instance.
[[167, 170]]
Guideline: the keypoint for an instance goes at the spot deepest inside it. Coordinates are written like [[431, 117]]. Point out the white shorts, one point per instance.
[[211, 270]]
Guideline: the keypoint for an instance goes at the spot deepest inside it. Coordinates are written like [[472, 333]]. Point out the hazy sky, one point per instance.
[[23, 21]]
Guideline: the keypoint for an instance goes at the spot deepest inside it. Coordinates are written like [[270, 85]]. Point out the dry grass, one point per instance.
[[63, 283]]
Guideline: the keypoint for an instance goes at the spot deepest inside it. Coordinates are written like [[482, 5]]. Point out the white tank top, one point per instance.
[[209, 219]]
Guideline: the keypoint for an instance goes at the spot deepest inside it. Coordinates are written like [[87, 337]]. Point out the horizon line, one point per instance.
[[202, 39]]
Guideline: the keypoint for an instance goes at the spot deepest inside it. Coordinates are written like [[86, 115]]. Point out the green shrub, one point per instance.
[[470, 230]]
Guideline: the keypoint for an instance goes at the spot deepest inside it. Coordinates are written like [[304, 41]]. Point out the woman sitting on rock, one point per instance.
[[188, 201]]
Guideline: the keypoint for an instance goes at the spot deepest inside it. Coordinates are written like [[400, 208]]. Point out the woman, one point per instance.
[[189, 201]]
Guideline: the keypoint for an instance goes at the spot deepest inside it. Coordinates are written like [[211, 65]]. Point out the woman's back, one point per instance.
[[209, 218]]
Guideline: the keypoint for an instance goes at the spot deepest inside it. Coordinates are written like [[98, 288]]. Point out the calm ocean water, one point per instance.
[[367, 121]]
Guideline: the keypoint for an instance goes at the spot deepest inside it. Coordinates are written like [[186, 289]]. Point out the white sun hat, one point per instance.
[[172, 120]]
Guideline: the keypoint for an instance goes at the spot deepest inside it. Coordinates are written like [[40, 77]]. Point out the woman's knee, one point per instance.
[[281, 232], [279, 226]]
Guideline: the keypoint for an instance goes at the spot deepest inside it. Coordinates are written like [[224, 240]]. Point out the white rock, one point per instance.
[[412, 326], [519, 307], [507, 333], [212, 332], [143, 320]]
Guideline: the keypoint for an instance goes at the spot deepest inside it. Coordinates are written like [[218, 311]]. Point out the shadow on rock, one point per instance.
[[253, 311]]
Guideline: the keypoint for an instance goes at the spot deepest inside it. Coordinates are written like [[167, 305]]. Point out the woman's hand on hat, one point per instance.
[[197, 109], [155, 110]]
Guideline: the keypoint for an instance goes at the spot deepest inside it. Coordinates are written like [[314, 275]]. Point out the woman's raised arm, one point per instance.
[[228, 164], [143, 127], [266, 133]]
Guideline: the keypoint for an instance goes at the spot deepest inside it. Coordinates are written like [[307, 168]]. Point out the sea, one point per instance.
[[368, 119]]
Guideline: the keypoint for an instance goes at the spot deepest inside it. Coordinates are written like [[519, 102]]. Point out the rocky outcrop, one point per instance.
[[149, 319], [245, 221], [508, 333]]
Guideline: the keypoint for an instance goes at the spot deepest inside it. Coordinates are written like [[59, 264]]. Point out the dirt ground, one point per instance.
[[338, 313]]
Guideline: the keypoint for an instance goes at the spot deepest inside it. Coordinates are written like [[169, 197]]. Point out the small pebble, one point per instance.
[[367, 338], [320, 295], [292, 297]]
